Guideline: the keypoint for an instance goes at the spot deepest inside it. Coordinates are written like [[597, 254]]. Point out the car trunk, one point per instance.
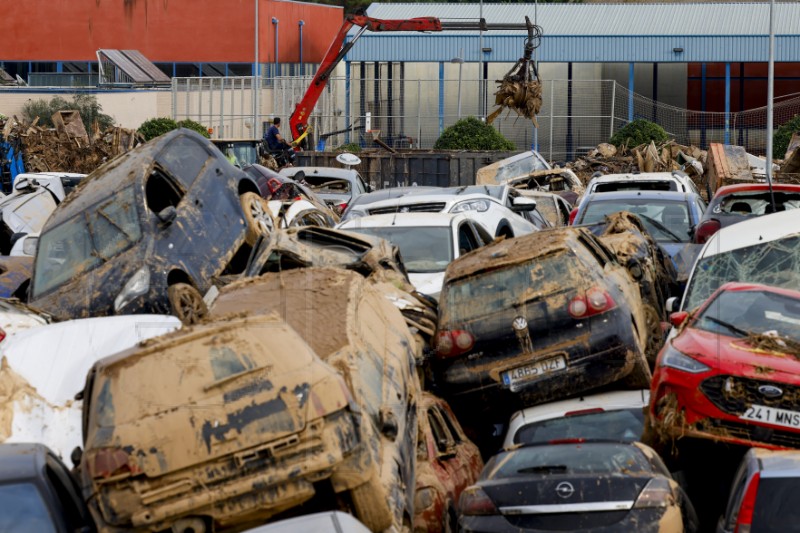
[[565, 502]]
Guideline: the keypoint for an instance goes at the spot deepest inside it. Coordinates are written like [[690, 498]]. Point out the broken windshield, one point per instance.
[[86, 241], [741, 313], [771, 263]]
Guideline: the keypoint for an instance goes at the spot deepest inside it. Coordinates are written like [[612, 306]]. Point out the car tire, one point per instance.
[[371, 505], [257, 217], [186, 303]]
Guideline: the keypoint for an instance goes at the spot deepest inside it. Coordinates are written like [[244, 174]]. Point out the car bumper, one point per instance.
[[639, 520]]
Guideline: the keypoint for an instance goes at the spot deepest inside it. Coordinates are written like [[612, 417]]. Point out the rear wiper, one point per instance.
[[660, 227], [729, 326], [544, 469]]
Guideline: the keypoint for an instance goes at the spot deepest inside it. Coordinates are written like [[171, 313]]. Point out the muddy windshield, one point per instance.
[[485, 294], [772, 263], [423, 249], [739, 313], [86, 241], [666, 221], [567, 459]]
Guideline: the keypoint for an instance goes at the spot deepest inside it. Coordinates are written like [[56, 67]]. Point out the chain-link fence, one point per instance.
[[576, 115]]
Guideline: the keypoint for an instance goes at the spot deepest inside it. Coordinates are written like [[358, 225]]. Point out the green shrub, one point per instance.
[[353, 148], [150, 129], [640, 131], [780, 141], [194, 126], [86, 105], [472, 134]]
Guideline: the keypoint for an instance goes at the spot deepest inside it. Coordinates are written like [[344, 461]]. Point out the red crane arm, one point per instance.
[[298, 122]]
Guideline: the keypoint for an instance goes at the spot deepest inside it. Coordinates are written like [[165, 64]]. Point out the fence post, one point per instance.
[[419, 114], [727, 103], [613, 105], [221, 131], [552, 86], [441, 97]]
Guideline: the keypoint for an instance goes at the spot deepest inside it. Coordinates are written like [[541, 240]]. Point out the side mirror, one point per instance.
[[635, 268], [167, 215], [388, 423], [671, 305], [521, 204], [678, 318]]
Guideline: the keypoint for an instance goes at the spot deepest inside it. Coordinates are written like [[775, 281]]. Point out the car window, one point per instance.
[[666, 185], [65, 490], [161, 191], [466, 239], [665, 220], [761, 312], [423, 249], [184, 159], [777, 505], [441, 436], [362, 184], [483, 235], [450, 423], [327, 184], [755, 203], [23, 510], [621, 424], [739, 483]]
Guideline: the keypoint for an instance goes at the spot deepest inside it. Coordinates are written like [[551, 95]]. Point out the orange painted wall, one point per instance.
[[209, 31]]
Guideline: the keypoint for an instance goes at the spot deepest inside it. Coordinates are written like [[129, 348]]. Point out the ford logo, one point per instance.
[[770, 391], [565, 489]]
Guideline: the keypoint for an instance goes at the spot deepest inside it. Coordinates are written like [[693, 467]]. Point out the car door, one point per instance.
[[447, 458]]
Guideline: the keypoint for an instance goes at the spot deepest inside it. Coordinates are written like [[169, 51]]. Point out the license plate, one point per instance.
[[772, 415], [515, 377]]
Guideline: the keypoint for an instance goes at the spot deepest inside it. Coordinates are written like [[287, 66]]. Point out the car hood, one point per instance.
[[429, 283], [42, 403], [734, 356]]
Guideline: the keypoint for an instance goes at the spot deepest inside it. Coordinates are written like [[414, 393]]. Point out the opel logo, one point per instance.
[[565, 489], [770, 391], [520, 324]]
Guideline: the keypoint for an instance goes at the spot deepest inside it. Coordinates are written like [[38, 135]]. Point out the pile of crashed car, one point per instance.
[[214, 348]]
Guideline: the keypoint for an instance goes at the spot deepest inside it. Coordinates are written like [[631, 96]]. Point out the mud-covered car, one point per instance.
[[351, 325], [535, 319], [15, 276], [219, 425], [447, 463], [146, 232]]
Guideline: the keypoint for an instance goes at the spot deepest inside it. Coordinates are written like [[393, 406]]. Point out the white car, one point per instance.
[[501, 209], [428, 242], [617, 415], [16, 316], [295, 213], [45, 367], [642, 181]]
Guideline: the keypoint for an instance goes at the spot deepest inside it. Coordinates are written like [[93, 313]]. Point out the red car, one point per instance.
[[447, 463], [732, 373], [735, 203]]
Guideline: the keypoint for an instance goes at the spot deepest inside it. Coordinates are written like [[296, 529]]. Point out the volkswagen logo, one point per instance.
[[520, 324], [564, 489], [770, 391]]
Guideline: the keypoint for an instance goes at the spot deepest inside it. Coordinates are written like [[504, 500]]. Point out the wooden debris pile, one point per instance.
[[68, 147]]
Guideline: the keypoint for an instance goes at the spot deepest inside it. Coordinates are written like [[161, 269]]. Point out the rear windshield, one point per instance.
[[423, 249], [771, 263], [737, 313], [754, 203], [666, 185], [22, 509], [666, 221], [622, 424], [86, 241], [487, 293], [777, 507], [582, 458], [324, 184]]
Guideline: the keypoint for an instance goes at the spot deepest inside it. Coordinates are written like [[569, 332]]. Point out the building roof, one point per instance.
[[705, 32]]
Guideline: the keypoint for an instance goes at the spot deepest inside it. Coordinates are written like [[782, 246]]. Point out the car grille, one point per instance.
[[761, 434], [434, 207], [733, 394]]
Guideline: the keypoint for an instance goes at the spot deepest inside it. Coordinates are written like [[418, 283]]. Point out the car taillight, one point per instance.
[[453, 343], [572, 215], [657, 493], [273, 184], [705, 230], [745, 518], [110, 462], [2, 334], [342, 207], [595, 301], [567, 441], [474, 502]]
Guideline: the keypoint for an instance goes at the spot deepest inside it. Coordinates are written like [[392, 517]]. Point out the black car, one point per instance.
[[146, 232], [576, 486], [38, 494], [538, 318]]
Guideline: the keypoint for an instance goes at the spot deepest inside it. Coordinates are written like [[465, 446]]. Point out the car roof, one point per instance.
[[783, 463], [610, 401], [402, 220], [392, 192], [761, 186], [639, 176], [20, 460], [328, 172], [753, 231], [626, 195]]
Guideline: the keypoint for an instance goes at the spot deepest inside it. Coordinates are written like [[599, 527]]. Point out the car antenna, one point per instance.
[[394, 218]]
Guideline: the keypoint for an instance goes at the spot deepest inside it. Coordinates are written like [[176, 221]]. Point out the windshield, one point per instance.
[[755, 203], [582, 458], [666, 221], [423, 249], [324, 184], [86, 241], [771, 263], [23, 510], [622, 424], [740, 313]]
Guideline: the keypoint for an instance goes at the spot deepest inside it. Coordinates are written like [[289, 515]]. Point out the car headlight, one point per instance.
[[672, 358], [137, 285], [29, 245], [471, 205]]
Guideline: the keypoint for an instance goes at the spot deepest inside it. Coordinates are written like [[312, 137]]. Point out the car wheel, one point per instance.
[[371, 505], [257, 216], [186, 303]]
